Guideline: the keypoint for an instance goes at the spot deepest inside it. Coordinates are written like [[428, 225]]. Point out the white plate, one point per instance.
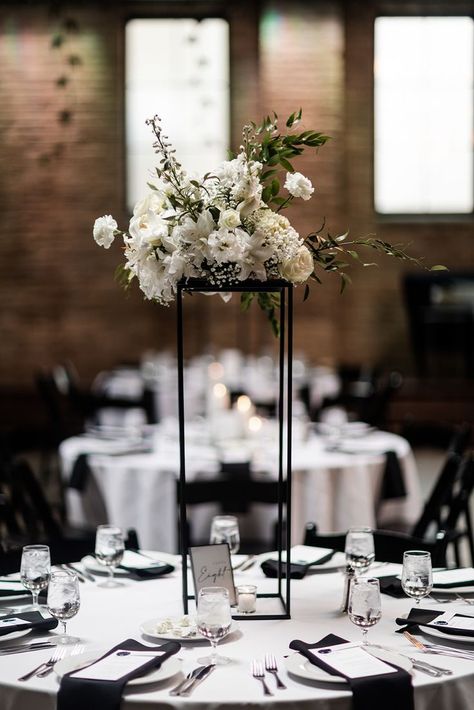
[[14, 635], [95, 567], [453, 590], [446, 637], [297, 665], [148, 629], [72, 663]]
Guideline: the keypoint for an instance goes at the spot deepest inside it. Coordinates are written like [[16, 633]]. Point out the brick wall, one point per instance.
[[59, 299]]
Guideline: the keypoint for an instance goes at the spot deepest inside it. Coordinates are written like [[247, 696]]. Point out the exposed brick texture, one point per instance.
[[59, 299]]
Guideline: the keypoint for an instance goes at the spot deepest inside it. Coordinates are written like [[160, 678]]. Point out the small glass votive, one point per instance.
[[246, 598]]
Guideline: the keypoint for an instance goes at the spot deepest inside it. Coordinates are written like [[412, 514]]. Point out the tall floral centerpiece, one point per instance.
[[227, 226]]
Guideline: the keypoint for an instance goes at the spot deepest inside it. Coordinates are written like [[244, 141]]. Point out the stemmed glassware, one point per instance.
[[64, 600], [35, 571], [225, 528], [109, 548], [359, 548], [364, 604], [213, 620], [417, 574]]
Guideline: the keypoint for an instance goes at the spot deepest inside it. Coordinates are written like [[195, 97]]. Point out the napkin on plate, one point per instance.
[[304, 557], [423, 617], [392, 586], [140, 568], [391, 691], [79, 693], [26, 620]]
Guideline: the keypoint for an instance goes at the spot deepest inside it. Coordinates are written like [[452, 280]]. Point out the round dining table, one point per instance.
[[336, 484], [108, 616]]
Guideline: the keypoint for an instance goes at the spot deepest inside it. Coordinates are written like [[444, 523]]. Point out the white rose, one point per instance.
[[104, 230], [154, 201], [298, 185], [298, 269], [229, 219]]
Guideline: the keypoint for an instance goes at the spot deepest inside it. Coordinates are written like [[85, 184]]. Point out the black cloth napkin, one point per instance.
[[13, 592], [393, 483], [29, 620], [422, 617], [392, 691], [297, 570], [80, 473], [89, 694], [143, 573], [392, 586]]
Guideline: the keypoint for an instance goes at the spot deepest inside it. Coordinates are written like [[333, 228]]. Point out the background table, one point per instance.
[[335, 489], [107, 617]]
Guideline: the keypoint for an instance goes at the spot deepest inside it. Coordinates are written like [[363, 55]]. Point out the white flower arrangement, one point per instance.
[[226, 226]]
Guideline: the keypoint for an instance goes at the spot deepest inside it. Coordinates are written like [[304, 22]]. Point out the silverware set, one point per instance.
[[439, 649], [422, 666], [257, 668], [192, 680]]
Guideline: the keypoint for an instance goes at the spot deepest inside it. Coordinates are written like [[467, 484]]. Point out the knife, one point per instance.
[[25, 648], [197, 680], [81, 573], [186, 681]]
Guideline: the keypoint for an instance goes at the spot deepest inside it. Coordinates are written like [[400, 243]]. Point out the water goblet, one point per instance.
[[35, 571], [225, 528], [364, 604], [359, 548], [417, 574], [213, 620], [109, 548], [64, 600]]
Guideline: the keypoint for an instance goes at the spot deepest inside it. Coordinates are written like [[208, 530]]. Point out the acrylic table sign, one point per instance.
[[211, 567]]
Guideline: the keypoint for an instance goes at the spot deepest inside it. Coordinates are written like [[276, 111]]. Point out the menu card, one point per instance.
[[116, 665], [352, 661], [452, 620]]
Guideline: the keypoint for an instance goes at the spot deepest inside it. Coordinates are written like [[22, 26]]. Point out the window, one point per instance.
[[423, 94], [178, 69]]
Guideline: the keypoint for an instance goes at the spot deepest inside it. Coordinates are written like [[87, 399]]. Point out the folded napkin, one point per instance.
[[392, 691], [80, 473], [392, 586], [423, 617], [79, 693], [26, 620], [393, 484], [297, 569], [152, 572]]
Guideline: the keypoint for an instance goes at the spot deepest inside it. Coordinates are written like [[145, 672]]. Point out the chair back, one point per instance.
[[440, 497]]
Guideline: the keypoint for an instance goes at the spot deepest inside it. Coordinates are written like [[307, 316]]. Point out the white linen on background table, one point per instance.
[[336, 490], [108, 616]]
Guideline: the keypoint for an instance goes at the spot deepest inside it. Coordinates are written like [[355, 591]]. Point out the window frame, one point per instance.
[[407, 10]]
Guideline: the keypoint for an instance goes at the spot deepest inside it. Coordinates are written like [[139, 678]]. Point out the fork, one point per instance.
[[58, 653], [271, 667], [49, 668], [258, 672]]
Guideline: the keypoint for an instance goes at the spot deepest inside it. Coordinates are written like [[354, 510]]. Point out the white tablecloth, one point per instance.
[[108, 616], [336, 490]]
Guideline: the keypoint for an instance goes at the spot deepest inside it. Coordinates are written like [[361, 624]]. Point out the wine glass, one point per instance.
[[109, 547], [213, 620], [417, 574], [364, 604], [359, 548], [35, 571], [64, 600], [225, 528]]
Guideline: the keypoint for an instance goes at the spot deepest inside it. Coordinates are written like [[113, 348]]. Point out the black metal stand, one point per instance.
[[285, 290]]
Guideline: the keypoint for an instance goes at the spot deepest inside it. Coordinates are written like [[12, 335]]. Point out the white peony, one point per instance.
[[298, 185], [298, 269], [104, 230], [229, 219], [155, 201], [147, 230]]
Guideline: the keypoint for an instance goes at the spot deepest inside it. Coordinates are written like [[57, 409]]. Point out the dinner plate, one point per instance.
[[14, 635], [299, 666], [90, 563], [148, 628], [446, 637], [72, 663]]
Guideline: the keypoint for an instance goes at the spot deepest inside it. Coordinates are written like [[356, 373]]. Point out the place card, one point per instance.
[[116, 665], [452, 620], [453, 577], [352, 661], [11, 621], [211, 567]]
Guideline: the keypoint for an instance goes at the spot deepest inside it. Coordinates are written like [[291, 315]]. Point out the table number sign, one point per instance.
[[211, 567]]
